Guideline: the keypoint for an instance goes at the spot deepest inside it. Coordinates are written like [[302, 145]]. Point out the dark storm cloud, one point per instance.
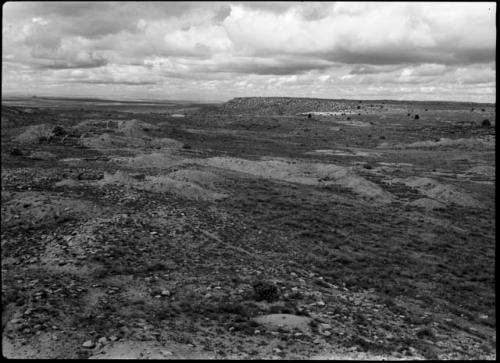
[[284, 66], [395, 56], [127, 83], [368, 69], [93, 63]]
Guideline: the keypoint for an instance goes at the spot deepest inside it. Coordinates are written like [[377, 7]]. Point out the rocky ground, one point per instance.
[[250, 230]]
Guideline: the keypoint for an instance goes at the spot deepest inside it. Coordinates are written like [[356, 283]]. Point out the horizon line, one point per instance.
[[201, 101]]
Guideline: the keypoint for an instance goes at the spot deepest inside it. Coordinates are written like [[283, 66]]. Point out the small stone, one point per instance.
[[317, 341], [15, 321], [102, 341], [257, 331], [293, 274], [326, 333], [113, 338], [27, 331], [165, 293], [88, 344], [166, 352], [325, 326], [320, 303]]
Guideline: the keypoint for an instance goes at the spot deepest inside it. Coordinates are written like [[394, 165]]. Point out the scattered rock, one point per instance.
[[41, 155], [285, 321], [88, 344]]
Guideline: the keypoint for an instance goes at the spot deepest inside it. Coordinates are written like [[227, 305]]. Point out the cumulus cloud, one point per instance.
[[321, 49]]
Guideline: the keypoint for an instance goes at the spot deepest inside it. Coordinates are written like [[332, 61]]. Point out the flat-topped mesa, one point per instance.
[[322, 106], [285, 105]]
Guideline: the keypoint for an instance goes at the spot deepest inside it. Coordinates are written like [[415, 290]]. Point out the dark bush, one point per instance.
[[426, 333], [309, 116], [16, 152], [265, 291], [417, 117], [486, 123], [186, 146], [59, 131]]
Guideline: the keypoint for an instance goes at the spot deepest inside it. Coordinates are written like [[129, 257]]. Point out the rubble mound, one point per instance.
[[305, 173], [162, 184], [33, 134], [441, 192], [107, 141], [203, 178], [37, 209], [462, 143], [485, 170], [106, 134], [427, 204], [162, 160]]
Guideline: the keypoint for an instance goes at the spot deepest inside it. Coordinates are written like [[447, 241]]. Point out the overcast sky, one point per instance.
[[217, 51]]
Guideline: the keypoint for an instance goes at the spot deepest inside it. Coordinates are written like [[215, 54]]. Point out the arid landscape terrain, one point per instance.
[[253, 229]]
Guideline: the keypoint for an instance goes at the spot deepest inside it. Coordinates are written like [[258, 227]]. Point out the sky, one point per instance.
[[214, 51]]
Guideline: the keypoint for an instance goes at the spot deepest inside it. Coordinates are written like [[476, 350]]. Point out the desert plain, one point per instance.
[[259, 228]]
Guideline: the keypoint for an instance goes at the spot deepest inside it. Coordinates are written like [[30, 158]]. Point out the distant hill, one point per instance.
[[293, 106]]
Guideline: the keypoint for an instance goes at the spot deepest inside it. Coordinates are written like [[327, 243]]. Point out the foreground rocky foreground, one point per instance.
[[250, 230]]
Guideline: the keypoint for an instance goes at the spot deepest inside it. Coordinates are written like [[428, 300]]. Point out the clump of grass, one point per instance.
[[426, 333], [232, 308], [265, 290], [156, 266]]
